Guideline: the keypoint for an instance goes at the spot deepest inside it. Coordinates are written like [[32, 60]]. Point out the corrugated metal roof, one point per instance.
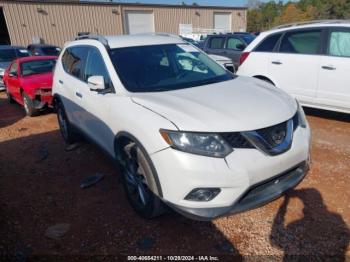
[[125, 4]]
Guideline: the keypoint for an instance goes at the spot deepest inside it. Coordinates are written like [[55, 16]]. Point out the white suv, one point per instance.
[[187, 133], [310, 61]]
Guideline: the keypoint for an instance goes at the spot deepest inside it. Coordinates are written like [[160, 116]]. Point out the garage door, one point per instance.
[[139, 22], [222, 21]]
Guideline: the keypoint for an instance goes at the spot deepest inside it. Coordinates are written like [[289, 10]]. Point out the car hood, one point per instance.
[[241, 104], [39, 80]]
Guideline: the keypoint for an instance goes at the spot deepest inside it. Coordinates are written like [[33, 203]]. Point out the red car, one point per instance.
[[28, 81]]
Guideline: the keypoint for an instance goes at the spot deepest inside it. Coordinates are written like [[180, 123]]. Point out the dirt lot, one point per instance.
[[39, 188]]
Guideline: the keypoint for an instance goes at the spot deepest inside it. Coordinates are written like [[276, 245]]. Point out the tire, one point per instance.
[[9, 97], [138, 178], [68, 133], [28, 105]]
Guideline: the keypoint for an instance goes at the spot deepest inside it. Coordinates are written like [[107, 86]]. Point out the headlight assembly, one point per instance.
[[205, 144]]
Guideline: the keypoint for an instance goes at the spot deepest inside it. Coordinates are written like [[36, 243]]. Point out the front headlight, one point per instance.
[[301, 116], [197, 143]]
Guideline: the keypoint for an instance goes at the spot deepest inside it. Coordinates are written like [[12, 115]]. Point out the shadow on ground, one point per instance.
[[39, 190], [318, 227], [9, 113]]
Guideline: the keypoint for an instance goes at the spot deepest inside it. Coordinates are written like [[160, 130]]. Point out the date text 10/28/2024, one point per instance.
[[173, 258]]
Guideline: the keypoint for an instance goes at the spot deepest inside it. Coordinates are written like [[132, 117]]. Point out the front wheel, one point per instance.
[[138, 177]]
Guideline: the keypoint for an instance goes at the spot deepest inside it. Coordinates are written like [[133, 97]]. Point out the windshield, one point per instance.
[[52, 51], [165, 67], [37, 67]]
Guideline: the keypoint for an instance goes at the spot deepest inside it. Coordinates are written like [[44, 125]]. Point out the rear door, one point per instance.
[[71, 82], [295, 67], [334, 79]]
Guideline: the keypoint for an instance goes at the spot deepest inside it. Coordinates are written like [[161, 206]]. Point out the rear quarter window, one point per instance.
[[268, 44]]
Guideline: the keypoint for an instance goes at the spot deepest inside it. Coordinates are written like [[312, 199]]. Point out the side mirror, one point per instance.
[[240, 47], [12, 75], [96, 83]]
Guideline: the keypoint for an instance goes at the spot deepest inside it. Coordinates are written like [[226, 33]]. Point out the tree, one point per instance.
[[262, 16]]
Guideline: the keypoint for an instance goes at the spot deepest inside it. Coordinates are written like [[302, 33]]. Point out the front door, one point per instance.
[[13, 84], [96, 105], [234, 47]]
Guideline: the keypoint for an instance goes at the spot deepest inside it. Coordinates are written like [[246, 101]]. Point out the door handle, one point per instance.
[[60, 81], [78, 94], [276, 62], [329, 67]]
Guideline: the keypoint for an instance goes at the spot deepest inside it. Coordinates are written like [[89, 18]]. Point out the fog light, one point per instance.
[[203, 194]]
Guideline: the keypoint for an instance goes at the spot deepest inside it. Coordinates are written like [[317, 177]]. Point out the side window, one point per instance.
[[73, 60], [301, 42], [14, 69], [339, 43], [216, 42], [268, 44], [235, 43], [95, 66]]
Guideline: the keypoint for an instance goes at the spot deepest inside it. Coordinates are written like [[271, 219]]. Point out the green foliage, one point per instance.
[[262, 16]]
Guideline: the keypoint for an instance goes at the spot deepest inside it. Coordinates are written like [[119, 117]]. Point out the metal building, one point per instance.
[[56, 22]]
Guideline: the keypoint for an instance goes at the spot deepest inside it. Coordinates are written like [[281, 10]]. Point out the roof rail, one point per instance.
[[329, 21], [99, 38]]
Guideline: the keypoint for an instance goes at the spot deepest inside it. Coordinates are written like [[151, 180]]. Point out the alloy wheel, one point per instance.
[[135, 177]]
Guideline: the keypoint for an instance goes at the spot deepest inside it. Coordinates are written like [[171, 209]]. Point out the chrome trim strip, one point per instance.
[[260, 143]]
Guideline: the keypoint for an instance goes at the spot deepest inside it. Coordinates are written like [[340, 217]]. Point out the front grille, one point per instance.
[[236, 140], [268, 132]]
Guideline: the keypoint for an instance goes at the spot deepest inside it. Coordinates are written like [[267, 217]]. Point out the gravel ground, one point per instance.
[[43, 210]]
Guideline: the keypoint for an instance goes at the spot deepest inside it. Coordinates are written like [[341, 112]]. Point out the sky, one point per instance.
[[200, 2]]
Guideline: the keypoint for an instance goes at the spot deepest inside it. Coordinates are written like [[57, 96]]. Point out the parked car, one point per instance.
[[44, 50], [222, 60], [7, 54], [186, 133], [228, 45], [28, 81], [309, 61]]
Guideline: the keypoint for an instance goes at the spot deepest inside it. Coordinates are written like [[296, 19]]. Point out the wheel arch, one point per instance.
[[124, 137]]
